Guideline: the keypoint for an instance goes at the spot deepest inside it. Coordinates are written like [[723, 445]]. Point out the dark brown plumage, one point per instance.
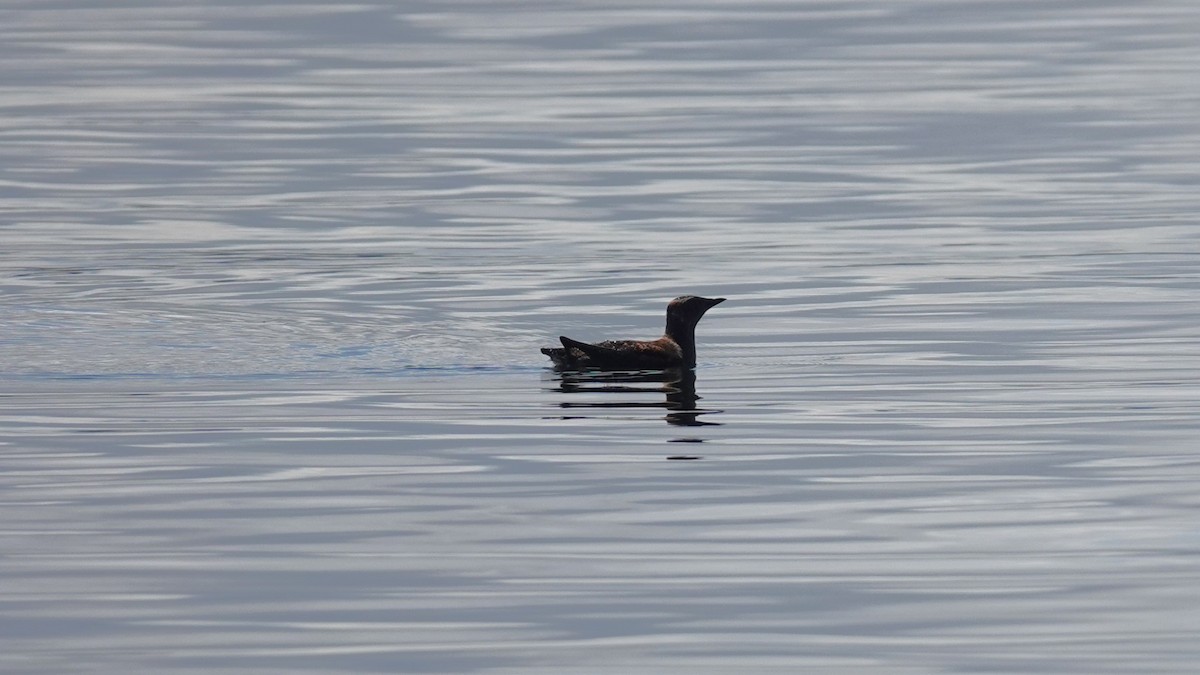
[[675, 349]]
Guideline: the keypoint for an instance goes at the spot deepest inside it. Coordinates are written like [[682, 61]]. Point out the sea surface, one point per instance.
[[274, 276]]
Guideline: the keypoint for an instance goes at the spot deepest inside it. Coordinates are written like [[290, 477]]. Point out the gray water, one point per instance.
[[273, 281]]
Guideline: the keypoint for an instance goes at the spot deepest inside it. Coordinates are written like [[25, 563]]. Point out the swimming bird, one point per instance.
[[675, 349]]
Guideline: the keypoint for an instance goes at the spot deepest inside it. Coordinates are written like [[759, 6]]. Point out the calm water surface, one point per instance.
[[273, 279]]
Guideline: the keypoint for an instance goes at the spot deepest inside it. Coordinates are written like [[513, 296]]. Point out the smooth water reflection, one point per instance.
[[273, 280], [678, 388]]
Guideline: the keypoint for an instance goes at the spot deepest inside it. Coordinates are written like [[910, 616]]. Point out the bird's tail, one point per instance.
[[557, 354]]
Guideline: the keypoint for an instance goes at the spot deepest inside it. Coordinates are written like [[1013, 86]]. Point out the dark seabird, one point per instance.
[[675, 349]]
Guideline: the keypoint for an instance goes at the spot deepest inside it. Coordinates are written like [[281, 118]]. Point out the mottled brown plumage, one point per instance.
[[675, 349]]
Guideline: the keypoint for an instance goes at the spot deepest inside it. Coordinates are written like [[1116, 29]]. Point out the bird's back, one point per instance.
[[626, 354]]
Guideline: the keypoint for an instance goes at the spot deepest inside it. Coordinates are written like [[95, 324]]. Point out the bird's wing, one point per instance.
[[597, 352], [629, 354]]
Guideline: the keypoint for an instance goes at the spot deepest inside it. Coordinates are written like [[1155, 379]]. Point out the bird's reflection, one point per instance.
[[678, 386]]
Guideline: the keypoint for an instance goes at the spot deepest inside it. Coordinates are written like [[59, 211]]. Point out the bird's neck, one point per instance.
[[684, 335]]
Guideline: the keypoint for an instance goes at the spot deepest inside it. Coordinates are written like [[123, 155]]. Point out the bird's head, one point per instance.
[[688, 309]]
